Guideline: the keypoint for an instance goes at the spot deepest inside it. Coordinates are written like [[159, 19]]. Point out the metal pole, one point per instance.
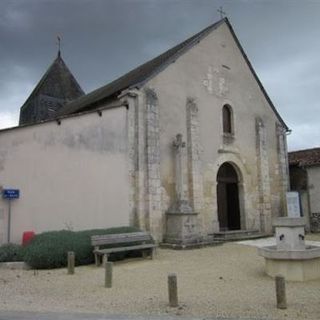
[[9, 220]]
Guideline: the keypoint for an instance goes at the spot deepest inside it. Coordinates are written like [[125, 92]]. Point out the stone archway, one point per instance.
[[228, 198]]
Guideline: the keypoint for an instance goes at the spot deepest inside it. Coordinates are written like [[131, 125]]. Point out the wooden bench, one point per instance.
[[139, 239]]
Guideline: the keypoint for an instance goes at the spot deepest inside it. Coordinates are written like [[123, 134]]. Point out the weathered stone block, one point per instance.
[[182, 228]]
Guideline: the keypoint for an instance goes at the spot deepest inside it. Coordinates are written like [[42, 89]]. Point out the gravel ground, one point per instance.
[[222, 281]]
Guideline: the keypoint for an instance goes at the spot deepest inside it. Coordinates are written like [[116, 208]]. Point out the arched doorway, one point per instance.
[[228, 198]]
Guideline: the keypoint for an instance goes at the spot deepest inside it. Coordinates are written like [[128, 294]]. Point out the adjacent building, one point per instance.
[[305, 178]]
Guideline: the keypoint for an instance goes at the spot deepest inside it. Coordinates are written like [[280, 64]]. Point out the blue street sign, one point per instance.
[[10, 193]]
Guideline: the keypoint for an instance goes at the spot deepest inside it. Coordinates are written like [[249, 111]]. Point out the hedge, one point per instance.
[[49, 249], [11, 252]]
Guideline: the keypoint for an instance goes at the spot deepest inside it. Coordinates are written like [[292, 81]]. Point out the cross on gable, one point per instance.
[[222, 13]]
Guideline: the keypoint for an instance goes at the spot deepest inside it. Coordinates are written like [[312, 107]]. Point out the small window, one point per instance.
[[227, 119]]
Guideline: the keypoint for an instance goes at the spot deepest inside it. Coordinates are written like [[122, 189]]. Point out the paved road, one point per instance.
[[18, 315]]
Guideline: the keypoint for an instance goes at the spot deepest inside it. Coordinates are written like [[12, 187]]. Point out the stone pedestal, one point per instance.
[[182, 228], [289, 233]]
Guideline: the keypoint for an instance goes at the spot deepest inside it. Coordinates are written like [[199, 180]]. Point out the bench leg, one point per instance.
[[144, 254], [104, 259], [96, 260]]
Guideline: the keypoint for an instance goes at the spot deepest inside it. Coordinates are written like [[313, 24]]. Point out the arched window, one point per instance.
[[227, 119]]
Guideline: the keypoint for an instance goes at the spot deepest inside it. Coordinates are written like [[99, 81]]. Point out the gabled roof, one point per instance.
[[135, 77], [305, 158], [57, 82], [138, 76]]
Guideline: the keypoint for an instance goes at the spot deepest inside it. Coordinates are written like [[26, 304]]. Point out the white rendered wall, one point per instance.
[[70, 176]]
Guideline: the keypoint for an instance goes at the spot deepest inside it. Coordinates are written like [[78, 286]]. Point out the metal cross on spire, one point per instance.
[[222, 13], [59, 45]]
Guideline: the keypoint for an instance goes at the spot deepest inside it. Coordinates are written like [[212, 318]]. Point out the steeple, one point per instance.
[[57, 87]]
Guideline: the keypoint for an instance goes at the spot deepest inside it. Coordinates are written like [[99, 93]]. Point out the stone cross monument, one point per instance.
[[181, 177], [182, 223]]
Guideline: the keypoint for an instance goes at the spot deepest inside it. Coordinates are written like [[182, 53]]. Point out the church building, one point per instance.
[[191, 131]]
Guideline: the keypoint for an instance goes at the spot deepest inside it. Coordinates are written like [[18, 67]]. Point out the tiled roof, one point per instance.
[[305, 158]]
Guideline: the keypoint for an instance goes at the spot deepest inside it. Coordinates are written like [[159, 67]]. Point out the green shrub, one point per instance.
[[11, 252], [49, 249]]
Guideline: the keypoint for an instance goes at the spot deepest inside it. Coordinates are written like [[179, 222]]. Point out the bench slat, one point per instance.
[[121, 235], [120, 238], [128, 240], [120, 249]]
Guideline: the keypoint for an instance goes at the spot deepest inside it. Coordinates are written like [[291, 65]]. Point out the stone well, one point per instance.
[[291, 257]]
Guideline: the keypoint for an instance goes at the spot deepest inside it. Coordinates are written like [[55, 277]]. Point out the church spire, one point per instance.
[[56, 87]]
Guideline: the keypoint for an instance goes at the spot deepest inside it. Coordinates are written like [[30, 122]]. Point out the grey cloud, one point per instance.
[[102, 39]]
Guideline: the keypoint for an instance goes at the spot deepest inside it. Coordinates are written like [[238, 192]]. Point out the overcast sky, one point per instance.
[[102, 39]]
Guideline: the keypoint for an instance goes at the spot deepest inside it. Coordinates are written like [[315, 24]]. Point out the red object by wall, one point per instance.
[[27, 237]]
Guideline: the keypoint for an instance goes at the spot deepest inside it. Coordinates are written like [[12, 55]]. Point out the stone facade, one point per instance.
[[252, 149], [193, 107]]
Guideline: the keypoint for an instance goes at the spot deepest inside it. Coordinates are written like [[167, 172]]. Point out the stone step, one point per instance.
[[206, 243], [235, 235]]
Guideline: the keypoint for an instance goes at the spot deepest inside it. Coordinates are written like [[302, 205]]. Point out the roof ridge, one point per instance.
[[306, 150], [144, 72], [264, 92], [305, 158], [167, 56]]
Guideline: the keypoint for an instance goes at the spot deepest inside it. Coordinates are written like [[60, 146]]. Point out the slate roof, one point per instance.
[[138, 76], [305, 158], [57, 82]]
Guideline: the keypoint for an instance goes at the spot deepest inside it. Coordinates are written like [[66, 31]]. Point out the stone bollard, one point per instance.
[[108, 274], [71, 258], [173, 290], [281, 292]]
